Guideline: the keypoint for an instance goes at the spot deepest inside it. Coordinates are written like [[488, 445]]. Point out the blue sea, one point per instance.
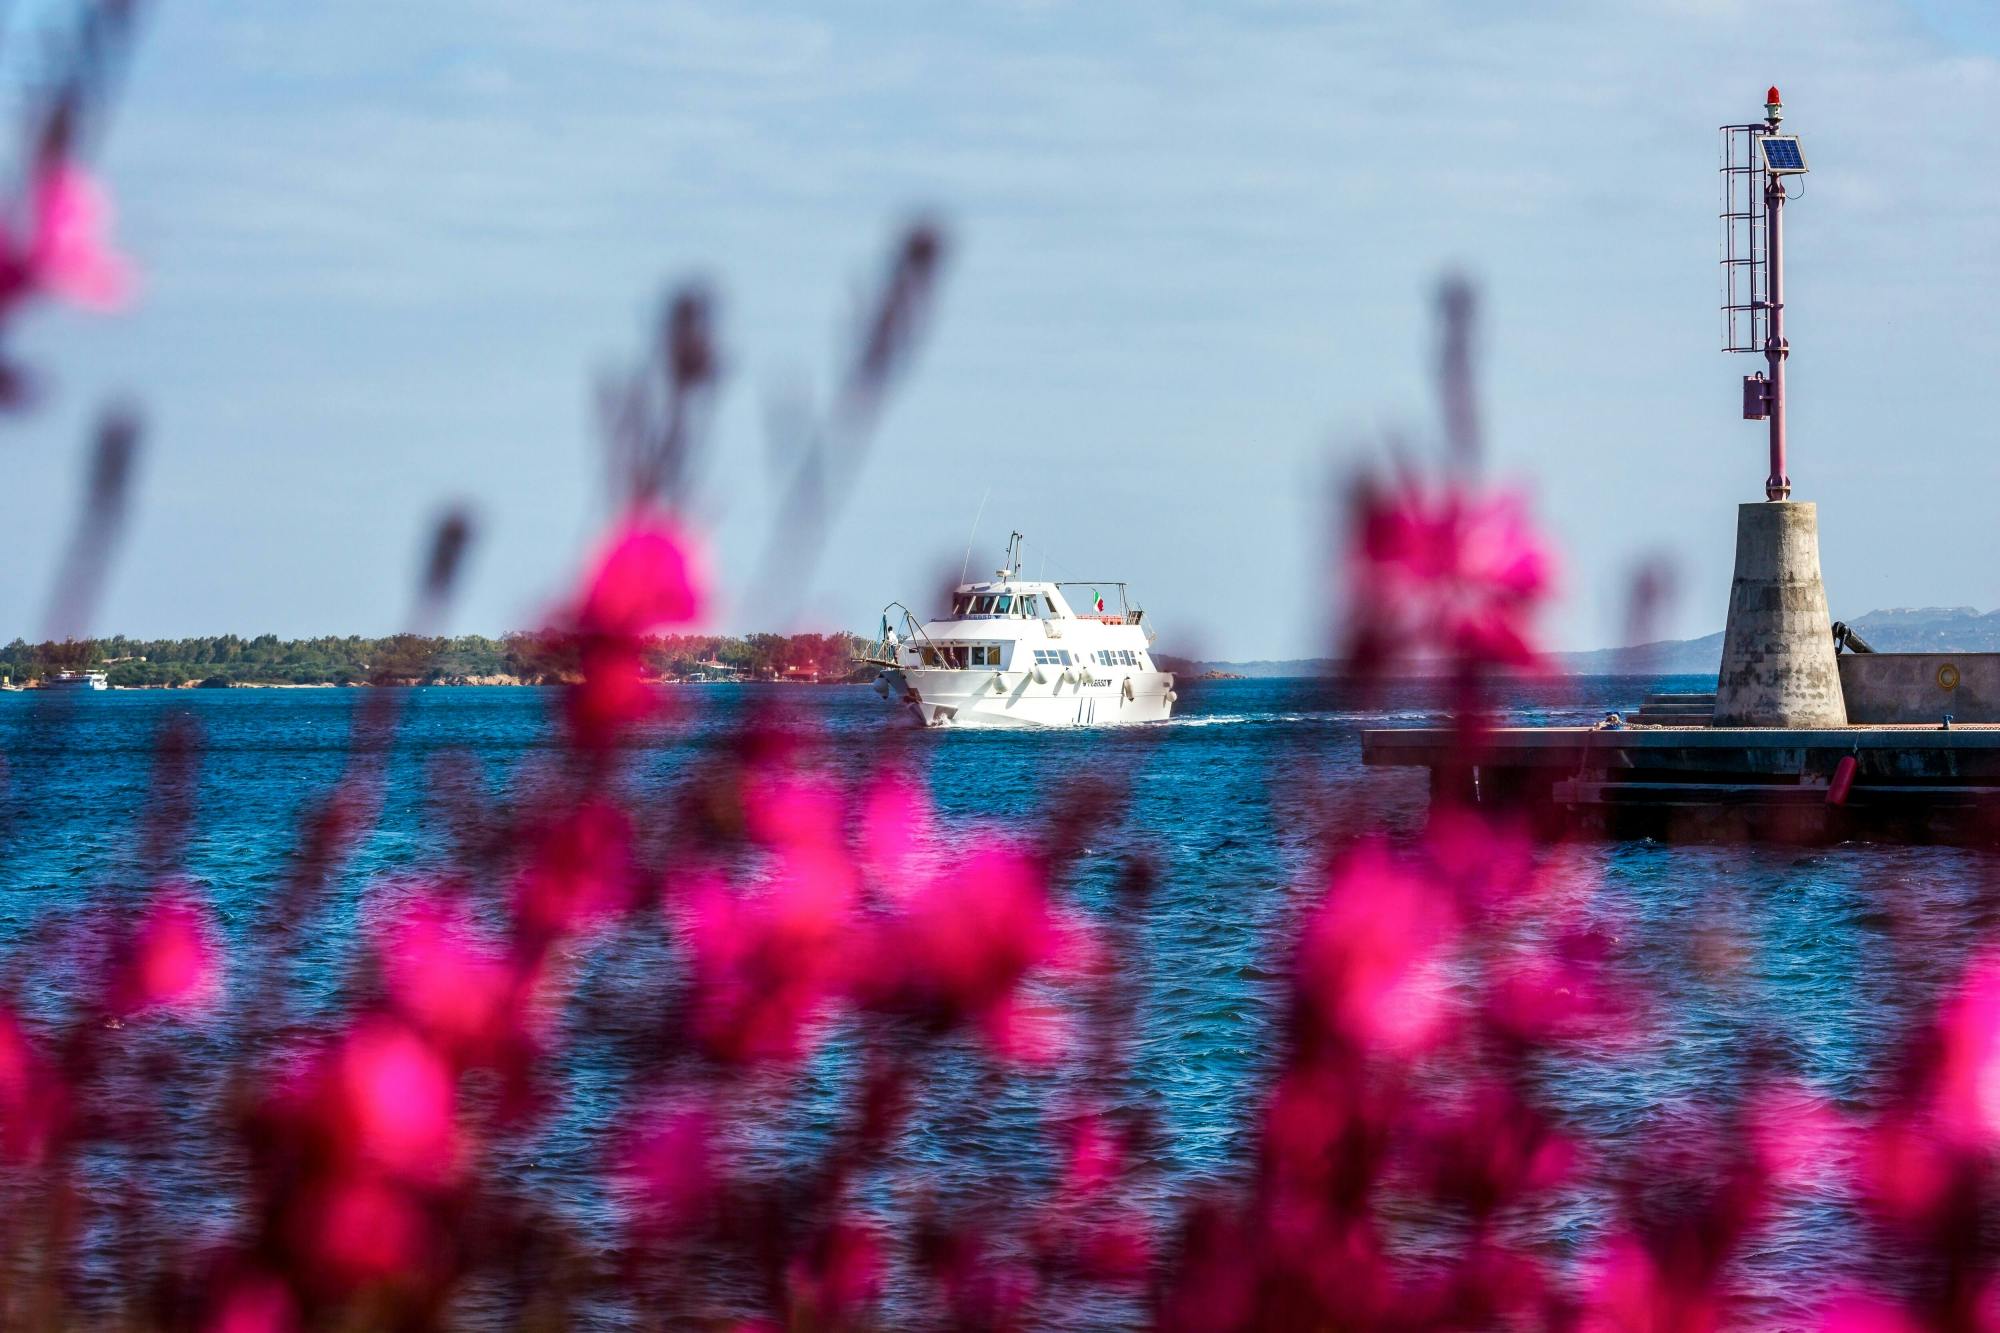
[[1785, 952]]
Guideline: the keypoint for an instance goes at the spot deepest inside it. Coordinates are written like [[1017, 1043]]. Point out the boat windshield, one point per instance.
[[1002, 604]]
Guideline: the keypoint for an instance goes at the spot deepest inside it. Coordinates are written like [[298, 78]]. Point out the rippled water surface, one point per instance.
[[1783, 951]]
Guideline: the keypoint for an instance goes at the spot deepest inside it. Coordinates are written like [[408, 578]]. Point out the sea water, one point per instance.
[[1781, 951]]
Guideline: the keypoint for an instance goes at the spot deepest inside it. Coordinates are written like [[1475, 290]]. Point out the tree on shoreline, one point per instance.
[[414, 659]]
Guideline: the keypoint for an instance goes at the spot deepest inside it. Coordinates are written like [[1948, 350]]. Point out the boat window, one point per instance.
[[961, 605], [1128, 659], [930, 657], [1001, 604], [1065, 656], [1028, 604]]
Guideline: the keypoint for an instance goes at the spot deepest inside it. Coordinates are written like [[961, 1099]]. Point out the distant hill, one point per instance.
[[1903, 629]]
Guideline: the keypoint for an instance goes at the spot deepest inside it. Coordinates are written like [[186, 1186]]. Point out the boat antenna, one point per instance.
[[966, 567]]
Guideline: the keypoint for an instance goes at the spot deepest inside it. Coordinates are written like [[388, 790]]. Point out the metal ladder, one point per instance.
[[1746, 309]]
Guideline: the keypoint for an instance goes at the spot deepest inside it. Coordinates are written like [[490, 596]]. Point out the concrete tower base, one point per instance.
[[1778, 667]]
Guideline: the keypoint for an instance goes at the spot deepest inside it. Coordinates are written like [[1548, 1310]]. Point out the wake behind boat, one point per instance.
[[1013, 653]]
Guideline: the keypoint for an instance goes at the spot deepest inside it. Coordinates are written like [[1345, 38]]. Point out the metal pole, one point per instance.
[[1777, 486]]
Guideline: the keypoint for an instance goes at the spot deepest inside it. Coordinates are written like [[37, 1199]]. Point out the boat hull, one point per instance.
[[1017, 699]]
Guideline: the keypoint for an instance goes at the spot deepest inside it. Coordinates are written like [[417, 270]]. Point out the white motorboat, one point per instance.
[[1012, 652]]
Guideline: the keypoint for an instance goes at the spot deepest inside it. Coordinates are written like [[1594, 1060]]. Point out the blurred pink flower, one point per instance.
[[982, 1289], [613, 693], [671, 1166], [255, 1303], [961, 943], [766, 966], [362, 1229], [642, 579], [460, 995], [896, 824], [1445, 570], [1968, 1064], [1493, 1149], [839, 1277], [1629, 1290], [1370, 959], [34, 1103], [173, 961], [66, 251], [1026, 1031], [1117, 1247], [1562, 992], [580, 873], [392, 1101], [1798, 1138], [1905, 1170], [1094, 1153]]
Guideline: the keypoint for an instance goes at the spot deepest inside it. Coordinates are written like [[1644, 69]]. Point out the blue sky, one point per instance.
[[389, 247]]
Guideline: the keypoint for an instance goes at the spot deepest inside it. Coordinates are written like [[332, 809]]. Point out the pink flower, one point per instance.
[[1371, 957], [1094, 1155], [392, 1102], [460, 995], [673, 1170], [1447, 571], [1905, 1171], [1563, 993], [839, 1277], [1494, 1149], [1797, 1138], [1968, 1068], [896, 825], [173, 962], [66, 251], [1116, 1248], [581, 872], [765, 967], [1630, 1290], [364, 1229], [962, 943], [34, 1103], [255, 1303], [641, 581]]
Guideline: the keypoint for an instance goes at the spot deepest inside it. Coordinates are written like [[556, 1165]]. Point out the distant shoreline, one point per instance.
[[37, 688]]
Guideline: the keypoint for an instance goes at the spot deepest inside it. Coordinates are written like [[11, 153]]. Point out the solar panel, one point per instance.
[[1782, 154]]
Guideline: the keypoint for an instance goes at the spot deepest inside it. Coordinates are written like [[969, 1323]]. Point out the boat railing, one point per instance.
[[882, 652]]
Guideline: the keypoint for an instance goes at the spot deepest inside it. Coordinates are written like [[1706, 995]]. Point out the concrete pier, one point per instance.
[[1916, 784], [1778, 667]]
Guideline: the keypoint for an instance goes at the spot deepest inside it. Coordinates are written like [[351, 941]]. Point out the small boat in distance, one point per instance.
[[76, 680], [1012, 652]]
